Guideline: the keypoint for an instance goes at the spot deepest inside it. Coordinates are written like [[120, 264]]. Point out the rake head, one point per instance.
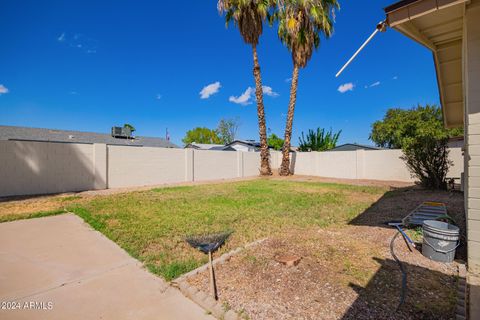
[[208, 243]]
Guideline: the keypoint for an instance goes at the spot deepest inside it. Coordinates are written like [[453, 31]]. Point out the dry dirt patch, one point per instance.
[[346, 272], [341, 276]]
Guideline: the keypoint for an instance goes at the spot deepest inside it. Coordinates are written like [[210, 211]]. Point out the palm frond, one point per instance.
[[301, 23], [248, 16]]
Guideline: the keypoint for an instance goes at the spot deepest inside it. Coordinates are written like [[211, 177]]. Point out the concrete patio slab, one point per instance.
[[59, 268]]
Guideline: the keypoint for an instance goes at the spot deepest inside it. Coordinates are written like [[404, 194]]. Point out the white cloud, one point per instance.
[[269, 91], [3, 89], [158, 97], [346, 87], [288, 80], [377, 83], [61, 38], [209, 90], [79, 41], [244, 98], [395, 78]]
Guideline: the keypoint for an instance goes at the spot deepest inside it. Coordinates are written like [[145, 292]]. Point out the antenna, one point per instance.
[[382, 27]]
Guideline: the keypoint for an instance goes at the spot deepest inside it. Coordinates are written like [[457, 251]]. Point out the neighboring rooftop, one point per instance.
[[53, 135], [251, 143], [353, 147], [239, 145], [207, 146]]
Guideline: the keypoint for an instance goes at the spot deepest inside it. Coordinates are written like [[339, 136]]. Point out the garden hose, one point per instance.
[[402, 269]]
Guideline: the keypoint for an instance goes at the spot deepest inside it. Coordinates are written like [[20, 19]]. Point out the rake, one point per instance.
[[209, 244]]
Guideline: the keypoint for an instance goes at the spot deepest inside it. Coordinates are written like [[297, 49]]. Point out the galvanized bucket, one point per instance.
[[440, 240]]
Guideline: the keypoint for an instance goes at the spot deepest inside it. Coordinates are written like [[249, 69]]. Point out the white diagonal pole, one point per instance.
[[380, 27]]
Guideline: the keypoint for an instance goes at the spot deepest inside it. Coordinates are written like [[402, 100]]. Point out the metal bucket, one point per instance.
[[440, 240]]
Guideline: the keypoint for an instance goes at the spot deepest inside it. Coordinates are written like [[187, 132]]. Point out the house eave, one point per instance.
[[437, 25]]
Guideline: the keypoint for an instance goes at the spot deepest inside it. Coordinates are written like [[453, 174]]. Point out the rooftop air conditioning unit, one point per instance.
[[121, 132]]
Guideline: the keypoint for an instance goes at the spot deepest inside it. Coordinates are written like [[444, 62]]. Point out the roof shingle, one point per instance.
[[70, 136]]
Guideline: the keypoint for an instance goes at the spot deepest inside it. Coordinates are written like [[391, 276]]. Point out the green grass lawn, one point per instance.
[[151, 225]]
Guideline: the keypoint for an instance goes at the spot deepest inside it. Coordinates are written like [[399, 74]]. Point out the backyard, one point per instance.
[[346, 269]]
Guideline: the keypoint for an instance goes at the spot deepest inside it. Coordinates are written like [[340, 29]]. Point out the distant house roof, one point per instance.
[[53, 135], [209, 146], [205, 146], [354, 146], [251, 143], [221, 147]]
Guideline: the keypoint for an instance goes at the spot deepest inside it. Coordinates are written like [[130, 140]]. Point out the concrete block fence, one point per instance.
[[28, 167]]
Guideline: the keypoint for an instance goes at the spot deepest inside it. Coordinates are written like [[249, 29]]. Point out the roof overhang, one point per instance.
[[438, 25]]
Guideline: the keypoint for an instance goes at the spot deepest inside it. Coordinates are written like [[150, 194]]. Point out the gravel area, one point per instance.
[[346, 272]]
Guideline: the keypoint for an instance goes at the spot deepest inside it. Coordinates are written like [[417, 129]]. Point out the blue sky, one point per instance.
[[89, 65]]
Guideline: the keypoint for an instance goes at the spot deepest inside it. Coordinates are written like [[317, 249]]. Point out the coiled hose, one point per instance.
[[402, 269]]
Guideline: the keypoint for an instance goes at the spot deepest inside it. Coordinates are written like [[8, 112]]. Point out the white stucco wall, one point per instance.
[[251, 163], [364, 164], [141, 166], [45, 167], [336, 164], [304, 163], [39, 167], [214, 165]]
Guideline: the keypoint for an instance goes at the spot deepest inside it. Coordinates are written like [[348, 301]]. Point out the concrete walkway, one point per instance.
[[59, 268]]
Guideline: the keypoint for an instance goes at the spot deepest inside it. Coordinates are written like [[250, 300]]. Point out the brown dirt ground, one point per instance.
[[356, 182], [346, 272]]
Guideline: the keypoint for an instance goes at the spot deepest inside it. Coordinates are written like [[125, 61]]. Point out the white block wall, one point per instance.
[[362, 164], [41, 168], [45, 167], [215, 165], [141, 166]]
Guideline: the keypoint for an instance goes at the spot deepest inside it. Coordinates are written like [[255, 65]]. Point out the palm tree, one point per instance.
[[300, 24], [249, 16]]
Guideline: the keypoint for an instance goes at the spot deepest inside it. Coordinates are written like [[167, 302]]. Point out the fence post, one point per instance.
[[189, 164], [240, 165], [100, 168], [360, 164]]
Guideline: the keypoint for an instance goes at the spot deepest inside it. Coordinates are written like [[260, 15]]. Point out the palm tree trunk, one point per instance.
[[265, 169], [285, 167]]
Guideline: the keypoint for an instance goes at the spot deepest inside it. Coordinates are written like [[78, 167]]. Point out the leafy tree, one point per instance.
[[227, 130], [275, 141], [319, 140], [249, 16], [129, 126], [300, 24], [427, 158], [399, 126], [201, 135], [421, 135]]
